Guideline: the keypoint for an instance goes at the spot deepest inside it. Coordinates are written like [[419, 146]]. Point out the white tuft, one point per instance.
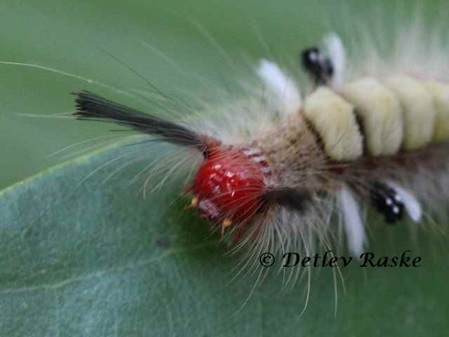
[[411, 204], [283, 88], [337, 54], [353, 224]]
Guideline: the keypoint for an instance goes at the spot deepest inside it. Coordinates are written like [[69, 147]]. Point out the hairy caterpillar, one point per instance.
[[346, 146]]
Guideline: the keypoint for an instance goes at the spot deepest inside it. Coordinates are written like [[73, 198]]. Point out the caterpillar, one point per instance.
[[305, 168]]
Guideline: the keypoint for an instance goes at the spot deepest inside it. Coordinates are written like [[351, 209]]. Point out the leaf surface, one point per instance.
[[91, 257]]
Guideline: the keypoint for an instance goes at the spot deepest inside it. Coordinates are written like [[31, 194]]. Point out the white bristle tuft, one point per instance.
[[337, 53], [280, 85], [411, 204], [353, 223]]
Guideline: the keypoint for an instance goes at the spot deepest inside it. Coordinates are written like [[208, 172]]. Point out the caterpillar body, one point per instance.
[[346, 147]]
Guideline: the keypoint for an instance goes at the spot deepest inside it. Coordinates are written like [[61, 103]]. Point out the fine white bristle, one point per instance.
[[353, 223], [280, 85], [337, 54], [411, 204]]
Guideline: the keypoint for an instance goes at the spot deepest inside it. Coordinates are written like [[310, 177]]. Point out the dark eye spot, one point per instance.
[[317, 65], [387, 202]]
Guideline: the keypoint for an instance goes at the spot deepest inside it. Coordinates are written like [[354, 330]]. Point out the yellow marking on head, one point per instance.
[[193, 203], [225, 224]]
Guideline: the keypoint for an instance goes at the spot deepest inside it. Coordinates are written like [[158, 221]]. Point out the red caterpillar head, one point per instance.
[[229, 186]]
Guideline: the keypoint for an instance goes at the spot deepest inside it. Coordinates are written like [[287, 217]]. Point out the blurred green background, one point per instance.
[[178, 45]]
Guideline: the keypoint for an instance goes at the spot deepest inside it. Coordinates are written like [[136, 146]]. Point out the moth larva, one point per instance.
[[345, 147]]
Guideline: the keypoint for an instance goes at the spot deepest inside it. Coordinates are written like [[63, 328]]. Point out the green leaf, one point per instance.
[[82, 253]]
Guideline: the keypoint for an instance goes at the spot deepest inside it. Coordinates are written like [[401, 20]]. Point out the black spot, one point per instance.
[[318, 66], [361, 126], [162, 242], [288, 197], [387, 202]]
